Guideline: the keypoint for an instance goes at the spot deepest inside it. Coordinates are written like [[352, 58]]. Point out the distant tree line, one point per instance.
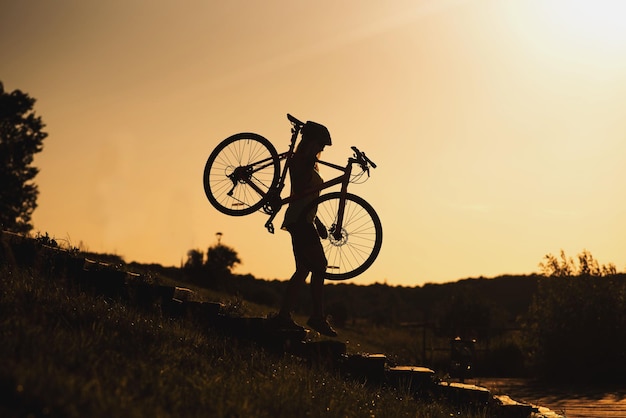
[[570, 317]]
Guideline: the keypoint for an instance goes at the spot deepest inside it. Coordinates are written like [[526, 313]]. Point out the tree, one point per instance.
[[194, 266], [214, 270], [195, 260], [21, 137], [587, 266], [577, 318], [221, 258]]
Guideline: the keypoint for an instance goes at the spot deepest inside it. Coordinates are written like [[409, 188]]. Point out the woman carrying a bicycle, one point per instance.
[[306, 230]]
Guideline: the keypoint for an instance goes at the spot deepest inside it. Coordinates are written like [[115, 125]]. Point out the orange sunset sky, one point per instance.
[[498, 126]]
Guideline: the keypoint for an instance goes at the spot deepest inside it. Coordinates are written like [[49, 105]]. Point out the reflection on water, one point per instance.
[[571, 401]]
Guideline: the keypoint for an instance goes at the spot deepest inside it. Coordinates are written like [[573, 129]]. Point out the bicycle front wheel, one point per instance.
[[355, 249], [239, 173]]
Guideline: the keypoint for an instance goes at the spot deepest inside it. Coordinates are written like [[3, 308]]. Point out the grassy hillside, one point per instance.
[[66, 353]]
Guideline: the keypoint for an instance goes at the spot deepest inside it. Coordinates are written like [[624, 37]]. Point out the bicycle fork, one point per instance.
[[337, 232]]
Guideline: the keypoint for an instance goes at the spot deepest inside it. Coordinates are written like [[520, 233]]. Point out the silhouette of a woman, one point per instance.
[[307, 248]]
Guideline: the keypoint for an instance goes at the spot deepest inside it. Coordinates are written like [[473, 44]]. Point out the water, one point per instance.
[[569, 401]]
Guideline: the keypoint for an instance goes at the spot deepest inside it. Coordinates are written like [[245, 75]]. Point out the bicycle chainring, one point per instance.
[[272, 203]]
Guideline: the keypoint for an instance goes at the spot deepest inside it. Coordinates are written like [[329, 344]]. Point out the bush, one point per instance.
[[574, 327]]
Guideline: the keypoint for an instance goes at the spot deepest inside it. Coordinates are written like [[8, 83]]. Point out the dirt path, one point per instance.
[[572, 402]]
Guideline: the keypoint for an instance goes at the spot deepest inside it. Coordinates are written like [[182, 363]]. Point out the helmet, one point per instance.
[[312, 131]]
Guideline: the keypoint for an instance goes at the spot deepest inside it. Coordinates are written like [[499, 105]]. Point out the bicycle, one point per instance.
[[243, 175]]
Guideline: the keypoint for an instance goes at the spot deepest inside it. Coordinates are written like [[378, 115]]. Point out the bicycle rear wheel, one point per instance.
[[361, 235], [239, 173]]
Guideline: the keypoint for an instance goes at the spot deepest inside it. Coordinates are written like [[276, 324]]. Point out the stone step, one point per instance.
[[414, 379], [463, 393], [369, 368], [509, 408]]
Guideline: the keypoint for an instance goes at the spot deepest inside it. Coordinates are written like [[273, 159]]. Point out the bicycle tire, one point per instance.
[[239, 173], [361, 238]]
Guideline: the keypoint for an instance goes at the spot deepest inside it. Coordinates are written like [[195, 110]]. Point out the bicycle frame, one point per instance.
[[243, 174], [273, 199], [343, 179]]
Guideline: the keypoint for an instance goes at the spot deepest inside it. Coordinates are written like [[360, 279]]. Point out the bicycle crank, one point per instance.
[[272, 204]]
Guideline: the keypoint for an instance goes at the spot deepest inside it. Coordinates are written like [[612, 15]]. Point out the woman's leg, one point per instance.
[[317, 294], [318, 321], [293, 291]]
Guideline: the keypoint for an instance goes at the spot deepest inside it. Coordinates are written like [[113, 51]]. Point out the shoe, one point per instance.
[[284, 323], [322, 326]]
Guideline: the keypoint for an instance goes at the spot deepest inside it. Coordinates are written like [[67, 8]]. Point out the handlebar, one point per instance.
[[362, 158], [295, 121]]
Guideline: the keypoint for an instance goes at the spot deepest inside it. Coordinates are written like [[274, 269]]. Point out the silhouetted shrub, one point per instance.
[[574, 327]]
